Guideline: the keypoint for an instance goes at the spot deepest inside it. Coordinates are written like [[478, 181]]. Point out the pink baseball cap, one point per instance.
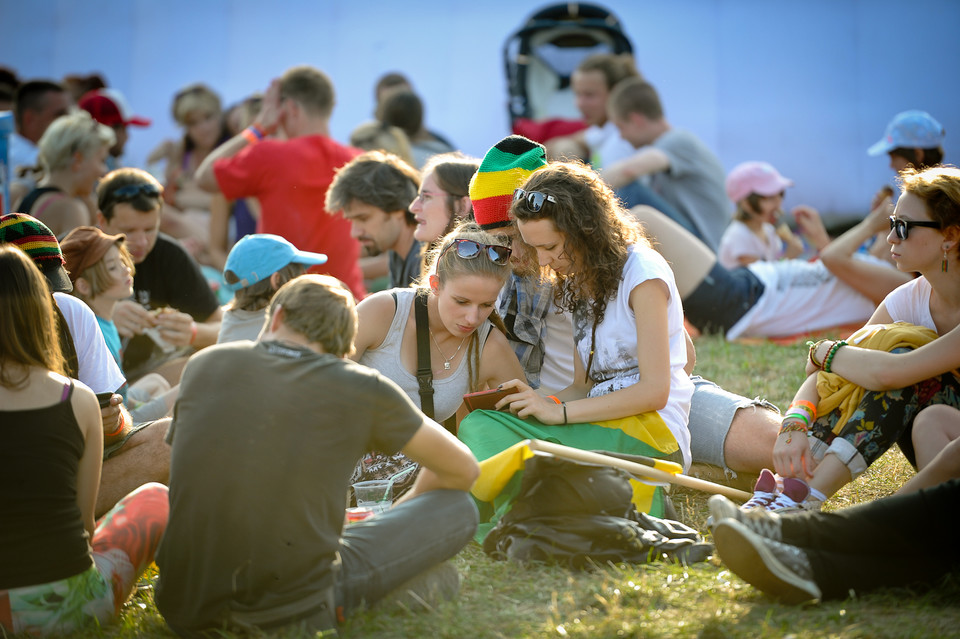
[[755, 177], [108, 107]]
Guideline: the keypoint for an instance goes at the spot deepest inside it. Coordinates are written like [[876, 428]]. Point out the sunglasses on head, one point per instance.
[[533, 199], [469, 250], [129, 192], [902, 227]]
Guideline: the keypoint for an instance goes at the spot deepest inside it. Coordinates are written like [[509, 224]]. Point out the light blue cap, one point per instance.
[[257, 257], [910, 130]]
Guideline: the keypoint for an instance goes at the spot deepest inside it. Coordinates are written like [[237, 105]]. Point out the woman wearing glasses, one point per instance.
[[630, 393], [885, 391], [73, 153], [444, 199], [463, 278]]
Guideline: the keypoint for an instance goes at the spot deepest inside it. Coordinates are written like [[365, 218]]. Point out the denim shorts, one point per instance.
[[711, 414], [722, 298]]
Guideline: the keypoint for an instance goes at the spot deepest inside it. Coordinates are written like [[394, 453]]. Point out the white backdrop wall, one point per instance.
[[805, 84]]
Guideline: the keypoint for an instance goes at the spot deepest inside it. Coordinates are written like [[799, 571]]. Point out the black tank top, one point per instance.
[[26, 204], [42, 538]]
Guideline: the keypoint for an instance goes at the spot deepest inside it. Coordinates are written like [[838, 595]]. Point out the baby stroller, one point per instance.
[[541, 56]]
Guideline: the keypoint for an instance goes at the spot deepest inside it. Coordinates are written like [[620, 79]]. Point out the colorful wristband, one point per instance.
[[193, 332], [555, 399]]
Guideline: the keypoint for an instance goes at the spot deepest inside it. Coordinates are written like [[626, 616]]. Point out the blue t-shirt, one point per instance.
[[112, 338]]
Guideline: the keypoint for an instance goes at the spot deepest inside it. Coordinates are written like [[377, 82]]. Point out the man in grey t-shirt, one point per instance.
[[673, 163], [265, 437]]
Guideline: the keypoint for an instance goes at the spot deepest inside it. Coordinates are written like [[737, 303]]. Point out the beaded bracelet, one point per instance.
[[828, 360], [812, 352]]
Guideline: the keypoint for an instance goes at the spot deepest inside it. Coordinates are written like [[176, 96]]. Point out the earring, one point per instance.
[[944, 264]]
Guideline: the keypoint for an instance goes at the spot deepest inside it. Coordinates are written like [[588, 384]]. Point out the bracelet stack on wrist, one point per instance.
[[828, 360], [253, 134]]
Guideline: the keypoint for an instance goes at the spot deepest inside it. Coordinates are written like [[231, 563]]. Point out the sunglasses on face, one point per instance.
[[902, 227], [533, 199], [469, 250]]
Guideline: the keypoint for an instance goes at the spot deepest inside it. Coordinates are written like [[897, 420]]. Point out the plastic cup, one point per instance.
[[376, 494], [358, 513]]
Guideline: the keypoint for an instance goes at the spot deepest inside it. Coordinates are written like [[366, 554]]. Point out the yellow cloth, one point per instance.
[[836, 392]]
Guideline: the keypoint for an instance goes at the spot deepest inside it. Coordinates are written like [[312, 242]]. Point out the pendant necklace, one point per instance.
[[447, 360]]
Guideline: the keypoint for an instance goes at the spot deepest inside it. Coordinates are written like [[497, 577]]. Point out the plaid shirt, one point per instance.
[[523, 304]]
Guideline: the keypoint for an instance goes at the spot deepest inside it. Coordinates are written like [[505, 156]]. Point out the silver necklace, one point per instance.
[[447, 360]]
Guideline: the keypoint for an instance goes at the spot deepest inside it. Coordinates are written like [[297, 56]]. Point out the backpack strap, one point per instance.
[[424, 370]]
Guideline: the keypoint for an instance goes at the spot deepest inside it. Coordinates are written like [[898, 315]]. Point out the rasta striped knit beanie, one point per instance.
[[505, 167], [35, 239]]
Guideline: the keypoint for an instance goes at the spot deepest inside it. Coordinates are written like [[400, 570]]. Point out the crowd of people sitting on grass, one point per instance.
[[152, 409]]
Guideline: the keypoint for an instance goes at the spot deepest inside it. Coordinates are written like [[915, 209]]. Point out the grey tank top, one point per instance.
[[448, 392]]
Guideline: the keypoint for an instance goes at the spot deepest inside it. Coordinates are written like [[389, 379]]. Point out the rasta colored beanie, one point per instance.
[[35, 239], [505, 168]]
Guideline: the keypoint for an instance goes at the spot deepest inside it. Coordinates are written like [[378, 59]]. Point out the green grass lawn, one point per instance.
[[499, 599]]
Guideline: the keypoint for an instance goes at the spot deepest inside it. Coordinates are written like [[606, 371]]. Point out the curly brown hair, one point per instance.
[[596, 232]]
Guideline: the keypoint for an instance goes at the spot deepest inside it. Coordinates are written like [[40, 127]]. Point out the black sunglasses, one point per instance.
[[469, 250], [902, 227], [533, 199], [129, 192]]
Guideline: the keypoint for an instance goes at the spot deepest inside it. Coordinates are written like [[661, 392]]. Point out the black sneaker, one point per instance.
[[780, 570], [764, 523]]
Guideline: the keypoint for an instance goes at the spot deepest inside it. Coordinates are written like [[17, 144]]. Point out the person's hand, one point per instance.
[[131, 318], [271, 109], [791, 456], [526, 402], [111, 415], [884, 193], [879, 215], [175, 327], [810, 225]]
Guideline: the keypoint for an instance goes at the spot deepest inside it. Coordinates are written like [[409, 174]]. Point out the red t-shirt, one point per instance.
[[291, 178]]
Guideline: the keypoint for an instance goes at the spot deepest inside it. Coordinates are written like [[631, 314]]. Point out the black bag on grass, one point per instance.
[[581, 514]]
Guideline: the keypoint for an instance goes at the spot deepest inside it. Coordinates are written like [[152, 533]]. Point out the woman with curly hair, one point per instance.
[[630, 393]]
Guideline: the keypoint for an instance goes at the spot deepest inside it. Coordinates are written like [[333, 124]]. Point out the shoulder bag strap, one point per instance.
[[424, 370]]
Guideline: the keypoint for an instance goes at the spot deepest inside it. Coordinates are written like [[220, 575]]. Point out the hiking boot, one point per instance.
[[426, 590], [780, 570], [795, 491], [760, 521], [764, 491]]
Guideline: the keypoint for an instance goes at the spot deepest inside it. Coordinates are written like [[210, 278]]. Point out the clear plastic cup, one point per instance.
[[376, 494]]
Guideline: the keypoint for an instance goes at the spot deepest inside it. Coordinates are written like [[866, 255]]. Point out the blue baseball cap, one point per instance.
[[910, 130], [257, 257]]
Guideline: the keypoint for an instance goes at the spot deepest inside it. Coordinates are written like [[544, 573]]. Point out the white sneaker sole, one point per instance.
[[747, 555]]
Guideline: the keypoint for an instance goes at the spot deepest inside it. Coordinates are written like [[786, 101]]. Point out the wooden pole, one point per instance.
[[634, 468]]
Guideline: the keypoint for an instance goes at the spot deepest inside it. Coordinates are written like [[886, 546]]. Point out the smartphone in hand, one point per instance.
[[104, 399], [485, 399]]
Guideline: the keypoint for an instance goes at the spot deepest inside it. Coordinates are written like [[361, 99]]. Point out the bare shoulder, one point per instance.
[[498, 361]]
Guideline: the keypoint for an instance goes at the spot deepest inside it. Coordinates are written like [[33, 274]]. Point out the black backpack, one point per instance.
[[581, 515]]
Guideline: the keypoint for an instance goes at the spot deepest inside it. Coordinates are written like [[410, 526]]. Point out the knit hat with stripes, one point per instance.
[[505, 168], [36, 240]]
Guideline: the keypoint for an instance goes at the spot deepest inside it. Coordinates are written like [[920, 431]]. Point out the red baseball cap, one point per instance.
[[108, 107]]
